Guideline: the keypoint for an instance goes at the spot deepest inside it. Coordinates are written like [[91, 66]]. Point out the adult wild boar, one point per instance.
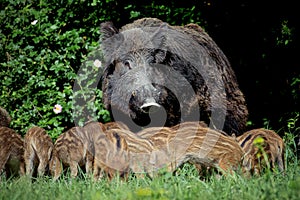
[[157, 74]]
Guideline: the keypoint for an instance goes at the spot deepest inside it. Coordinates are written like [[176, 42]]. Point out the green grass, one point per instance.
[[184, 185]]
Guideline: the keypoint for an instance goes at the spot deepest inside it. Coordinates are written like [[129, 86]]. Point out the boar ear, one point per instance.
[[111, 40], [107, 30], [159, 36], [159, 42]]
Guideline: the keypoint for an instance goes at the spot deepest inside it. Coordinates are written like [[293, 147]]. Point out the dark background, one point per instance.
[[247, 32]]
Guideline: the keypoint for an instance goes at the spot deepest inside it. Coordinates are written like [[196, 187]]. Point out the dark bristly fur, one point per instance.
[[175, 58], [38, 150], [271, 144], [11, 152]]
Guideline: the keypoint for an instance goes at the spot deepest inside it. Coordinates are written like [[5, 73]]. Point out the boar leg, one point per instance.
[[4, 155], [98, 169], [74, 169], [55, 167], [22, 168], [29, 156], [41, 168], [225, 166], [89, 163]]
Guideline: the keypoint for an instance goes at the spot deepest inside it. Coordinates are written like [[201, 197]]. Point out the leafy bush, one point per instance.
[[42, 48], [170, 11]]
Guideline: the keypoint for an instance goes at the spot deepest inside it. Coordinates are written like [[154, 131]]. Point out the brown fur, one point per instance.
[[196, 123], [272, 145], [5, 118], [141, 150], [106, 149], [149, 132], [161, 140], [72, 151], [168, 148], [114, 125], [11, 152], [111, 155], [198, 145], [118, 150], [38, 150], [190, 123]]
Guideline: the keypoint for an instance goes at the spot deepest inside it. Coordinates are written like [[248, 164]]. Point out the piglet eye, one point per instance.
[[127, 64]]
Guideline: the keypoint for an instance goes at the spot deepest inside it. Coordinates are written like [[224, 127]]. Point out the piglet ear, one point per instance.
[[107, 30]]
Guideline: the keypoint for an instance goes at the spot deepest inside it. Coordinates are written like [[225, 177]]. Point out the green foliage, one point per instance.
[[285, 34], [291, 131], [42, 48], [295, 88], [87, 97], [171, 12]]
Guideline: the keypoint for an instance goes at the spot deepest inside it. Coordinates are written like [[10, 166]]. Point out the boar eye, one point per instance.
[[127, 64]]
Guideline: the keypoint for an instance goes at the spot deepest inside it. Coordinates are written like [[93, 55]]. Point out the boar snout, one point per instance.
[[150, 106], [145, 98]]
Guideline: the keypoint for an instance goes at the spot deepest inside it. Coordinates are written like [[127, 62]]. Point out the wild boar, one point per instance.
[[11, 152], [38, 151], [109, 150], [71, 150], [154, 74], [201, 146], [259, 142]]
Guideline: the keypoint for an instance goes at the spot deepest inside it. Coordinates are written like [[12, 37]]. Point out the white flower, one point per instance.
[[57, 109], [34, 22], [97, 63]]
